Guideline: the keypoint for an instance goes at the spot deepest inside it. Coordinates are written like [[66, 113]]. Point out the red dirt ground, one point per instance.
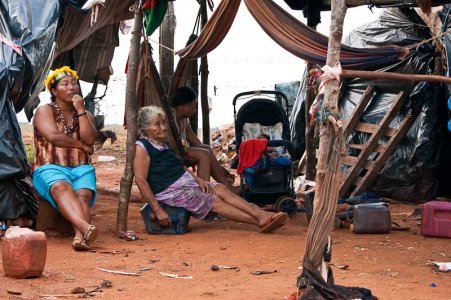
[[393, 266]]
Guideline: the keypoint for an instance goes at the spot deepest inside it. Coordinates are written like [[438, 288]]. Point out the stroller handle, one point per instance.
[[262, 92], [284, 143]]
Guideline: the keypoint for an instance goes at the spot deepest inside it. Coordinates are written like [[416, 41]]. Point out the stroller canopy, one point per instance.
[[263, 111]]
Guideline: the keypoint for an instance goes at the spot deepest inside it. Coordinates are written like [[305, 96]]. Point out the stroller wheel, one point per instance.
[[286, 204]]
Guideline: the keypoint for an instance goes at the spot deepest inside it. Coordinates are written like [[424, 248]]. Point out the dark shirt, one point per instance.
[[165, 167]]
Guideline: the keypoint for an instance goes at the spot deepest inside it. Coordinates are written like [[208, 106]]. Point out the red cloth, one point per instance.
[[250, 152]]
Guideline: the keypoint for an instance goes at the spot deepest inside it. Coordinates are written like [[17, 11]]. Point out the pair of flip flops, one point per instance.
[[83, 244], [277, 221]]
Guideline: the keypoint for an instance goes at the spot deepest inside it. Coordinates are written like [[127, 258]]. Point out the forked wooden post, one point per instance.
[[204, 83], [167, 31], [324, 209], [131, 113]]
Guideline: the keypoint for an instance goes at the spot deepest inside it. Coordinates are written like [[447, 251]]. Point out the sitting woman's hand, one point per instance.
[[88, 149], [163, 217], [205, 186]]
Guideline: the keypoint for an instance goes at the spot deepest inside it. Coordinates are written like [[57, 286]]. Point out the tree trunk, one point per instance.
[[204, 84], [332, 87], [167, 30], [329, 104], [131, 112]]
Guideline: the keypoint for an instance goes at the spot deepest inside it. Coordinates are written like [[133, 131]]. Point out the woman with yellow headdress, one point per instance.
[[64, 134]]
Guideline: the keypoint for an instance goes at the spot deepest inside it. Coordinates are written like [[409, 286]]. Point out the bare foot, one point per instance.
[[265, 218]]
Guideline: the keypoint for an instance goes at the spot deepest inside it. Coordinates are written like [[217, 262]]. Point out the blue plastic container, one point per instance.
[[179, 219]]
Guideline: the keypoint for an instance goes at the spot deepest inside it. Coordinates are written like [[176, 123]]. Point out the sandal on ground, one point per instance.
[[91, 235], [277, 221], [80, 245]]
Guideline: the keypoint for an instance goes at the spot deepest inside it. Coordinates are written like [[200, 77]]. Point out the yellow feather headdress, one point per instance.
[[58, 74]]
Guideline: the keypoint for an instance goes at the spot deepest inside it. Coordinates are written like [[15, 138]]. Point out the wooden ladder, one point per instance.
[[358, 172]]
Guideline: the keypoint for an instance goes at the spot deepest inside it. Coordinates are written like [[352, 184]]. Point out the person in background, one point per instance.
[[64, 134], [162, 178], [184, 102]]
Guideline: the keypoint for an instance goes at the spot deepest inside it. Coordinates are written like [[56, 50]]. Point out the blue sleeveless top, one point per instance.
[[165, 167]]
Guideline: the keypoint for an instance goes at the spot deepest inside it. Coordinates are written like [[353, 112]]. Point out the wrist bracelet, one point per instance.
[[82, 114]]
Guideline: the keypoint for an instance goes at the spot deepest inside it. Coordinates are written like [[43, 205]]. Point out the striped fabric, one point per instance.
[[94, 53], [325, 203]]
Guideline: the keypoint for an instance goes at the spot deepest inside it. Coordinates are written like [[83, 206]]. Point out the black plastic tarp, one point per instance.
[[28, 29], [445, 150], [30, 24], [412, 172]]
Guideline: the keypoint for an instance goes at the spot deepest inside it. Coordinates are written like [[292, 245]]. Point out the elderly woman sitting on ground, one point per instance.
[[161, 177], [64, 135]]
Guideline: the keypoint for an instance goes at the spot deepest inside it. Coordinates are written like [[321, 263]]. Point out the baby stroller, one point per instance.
[[271, 183]]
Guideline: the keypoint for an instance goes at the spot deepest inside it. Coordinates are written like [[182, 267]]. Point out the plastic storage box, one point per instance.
[[179, 218], [436, 219]]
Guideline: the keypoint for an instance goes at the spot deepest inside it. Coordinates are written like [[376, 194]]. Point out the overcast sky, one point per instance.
[[246, 60]]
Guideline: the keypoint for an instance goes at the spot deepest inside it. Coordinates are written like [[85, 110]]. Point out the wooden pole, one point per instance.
[[131, 113], [204, 83], [310, 149], [330, 105], [167, 30], [411, 78]]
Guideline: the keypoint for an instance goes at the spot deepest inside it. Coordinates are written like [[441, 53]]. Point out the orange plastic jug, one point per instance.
[[24, 252]]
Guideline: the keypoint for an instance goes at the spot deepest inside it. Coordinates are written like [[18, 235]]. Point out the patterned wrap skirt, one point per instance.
[[186, 193]]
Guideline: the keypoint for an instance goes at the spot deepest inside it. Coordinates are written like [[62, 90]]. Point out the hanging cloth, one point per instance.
[[185, 73], [306, 43], [214, 31], [150, 91], [291, 34]]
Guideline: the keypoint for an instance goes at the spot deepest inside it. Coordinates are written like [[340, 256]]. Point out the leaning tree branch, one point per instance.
[[131, 113], [412, 78]]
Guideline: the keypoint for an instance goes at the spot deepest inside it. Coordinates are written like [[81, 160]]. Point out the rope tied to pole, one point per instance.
[[317, 111]]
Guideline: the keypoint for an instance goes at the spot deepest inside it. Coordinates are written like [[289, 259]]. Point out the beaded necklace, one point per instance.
[[60, 118], [155, 143]]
